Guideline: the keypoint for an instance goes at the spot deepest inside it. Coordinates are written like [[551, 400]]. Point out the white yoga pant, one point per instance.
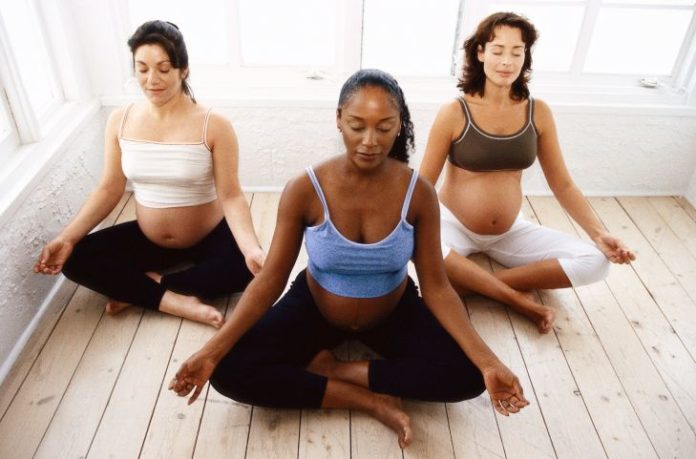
[[525, 243]]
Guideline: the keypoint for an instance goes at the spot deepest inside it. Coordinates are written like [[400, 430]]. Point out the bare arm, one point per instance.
[[440, 138], [223, 141], [259, 295], [97, 206], [567, 192], [502, 385]]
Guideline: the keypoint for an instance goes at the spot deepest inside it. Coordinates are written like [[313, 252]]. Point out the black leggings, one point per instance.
[[114, 261], [421, 360]]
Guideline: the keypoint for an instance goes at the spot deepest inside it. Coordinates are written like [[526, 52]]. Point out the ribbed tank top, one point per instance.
[[358, 270], [478, 151], [168, 174]]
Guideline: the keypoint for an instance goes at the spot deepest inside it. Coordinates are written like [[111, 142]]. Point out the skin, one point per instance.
[[489, 202], [167, 115], [360, 186]]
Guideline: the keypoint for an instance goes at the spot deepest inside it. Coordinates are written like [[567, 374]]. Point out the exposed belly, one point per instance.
[[178, 227], [484, 202], [354, 313]]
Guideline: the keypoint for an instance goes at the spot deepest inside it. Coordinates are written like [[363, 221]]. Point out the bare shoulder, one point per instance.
[[543, 117], [424, 203], [296, 196], [217, 122], [451, 110], [113, 122]]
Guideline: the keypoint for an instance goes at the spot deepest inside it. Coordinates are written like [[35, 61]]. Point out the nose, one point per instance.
[[152, 76], [369, 138]]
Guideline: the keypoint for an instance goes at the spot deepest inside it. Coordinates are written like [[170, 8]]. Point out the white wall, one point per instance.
[[691, 190], [39, 216]]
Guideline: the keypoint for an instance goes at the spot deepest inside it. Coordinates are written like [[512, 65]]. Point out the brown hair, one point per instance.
[[167, 35], [473, 79]]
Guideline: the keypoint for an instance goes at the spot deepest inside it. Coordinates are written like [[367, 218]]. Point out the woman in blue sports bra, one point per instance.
[[363, 215], [487, 137]]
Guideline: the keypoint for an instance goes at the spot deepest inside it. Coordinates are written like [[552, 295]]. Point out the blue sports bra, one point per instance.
[[357, 270]]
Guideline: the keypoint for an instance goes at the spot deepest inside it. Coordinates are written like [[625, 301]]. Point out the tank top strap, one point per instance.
[[205, 128], [320, 192], [409, 194], [123, 119]]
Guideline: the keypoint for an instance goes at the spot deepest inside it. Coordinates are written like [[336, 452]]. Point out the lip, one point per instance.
[[368, 156], [505, 74]]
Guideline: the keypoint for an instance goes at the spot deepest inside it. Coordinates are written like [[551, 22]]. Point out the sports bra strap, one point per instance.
[[320, 193], [409, 194], [205, 128], [465, 107], [123, 119]]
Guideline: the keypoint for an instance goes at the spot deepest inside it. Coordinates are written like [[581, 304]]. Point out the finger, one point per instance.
[[172, 384], [497, 404], [196, 393], [512, 408]]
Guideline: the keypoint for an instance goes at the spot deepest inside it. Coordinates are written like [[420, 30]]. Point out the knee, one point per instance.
[[589, 267], [463, 383], [232, 379], [74, 266]]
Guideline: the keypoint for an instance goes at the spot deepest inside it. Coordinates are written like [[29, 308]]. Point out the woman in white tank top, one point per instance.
[[181, 160]]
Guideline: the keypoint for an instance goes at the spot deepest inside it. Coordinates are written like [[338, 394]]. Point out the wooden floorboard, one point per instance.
[[615, 378]]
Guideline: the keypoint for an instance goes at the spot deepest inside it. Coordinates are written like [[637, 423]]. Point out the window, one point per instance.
[[585, 46], [28, 52]]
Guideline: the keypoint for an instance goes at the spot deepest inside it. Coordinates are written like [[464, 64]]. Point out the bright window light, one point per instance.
[[289, 33], [30, 54], [204, 26], [420, 39], [5, 127], [651, 47]]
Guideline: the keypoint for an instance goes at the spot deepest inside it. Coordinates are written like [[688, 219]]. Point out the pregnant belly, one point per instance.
[[354, 313]]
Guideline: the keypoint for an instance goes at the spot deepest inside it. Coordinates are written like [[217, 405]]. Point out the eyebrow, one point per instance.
[[502, 46], [166, 61], [380, 121]]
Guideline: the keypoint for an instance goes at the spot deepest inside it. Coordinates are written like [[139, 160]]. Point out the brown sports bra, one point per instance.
[[478, 151]]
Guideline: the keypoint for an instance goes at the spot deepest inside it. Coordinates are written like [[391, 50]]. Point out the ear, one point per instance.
[[479, 53], [184, 73], [338, 118]]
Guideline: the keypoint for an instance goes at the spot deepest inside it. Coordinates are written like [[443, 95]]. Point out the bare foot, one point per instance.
[[113, 307], [544, 321], [157, 277], [190, 307], [323, 363], [389, 412], [542, 316]]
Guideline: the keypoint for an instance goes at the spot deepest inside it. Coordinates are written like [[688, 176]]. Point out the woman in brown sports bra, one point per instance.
[[489, 135]]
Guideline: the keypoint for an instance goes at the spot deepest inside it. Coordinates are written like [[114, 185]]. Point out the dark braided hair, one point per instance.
[[404, 142], [168, 36], [473, 79]]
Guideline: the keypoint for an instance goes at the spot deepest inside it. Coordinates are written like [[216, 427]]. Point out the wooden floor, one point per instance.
[[616, 378]]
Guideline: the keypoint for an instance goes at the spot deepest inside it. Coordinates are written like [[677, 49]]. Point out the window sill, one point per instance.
[[25, 166]]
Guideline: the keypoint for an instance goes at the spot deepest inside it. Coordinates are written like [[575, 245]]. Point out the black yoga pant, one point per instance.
[[113, 262], [420, 359]]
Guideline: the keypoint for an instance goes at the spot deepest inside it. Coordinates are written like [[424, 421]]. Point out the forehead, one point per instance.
[[151, 52], [507, 36], [373, 99]]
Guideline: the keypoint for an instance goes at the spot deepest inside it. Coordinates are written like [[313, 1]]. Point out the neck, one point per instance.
[[497, 95], [171, 107]]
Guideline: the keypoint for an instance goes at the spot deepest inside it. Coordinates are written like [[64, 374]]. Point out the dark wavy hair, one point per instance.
[[404, 142], [473, 79], [169, 37]]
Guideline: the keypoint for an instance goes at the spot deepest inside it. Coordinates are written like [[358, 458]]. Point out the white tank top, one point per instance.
[[168, 174]]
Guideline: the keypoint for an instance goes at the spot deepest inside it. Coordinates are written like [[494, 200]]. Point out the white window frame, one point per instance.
[[238, 81]]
